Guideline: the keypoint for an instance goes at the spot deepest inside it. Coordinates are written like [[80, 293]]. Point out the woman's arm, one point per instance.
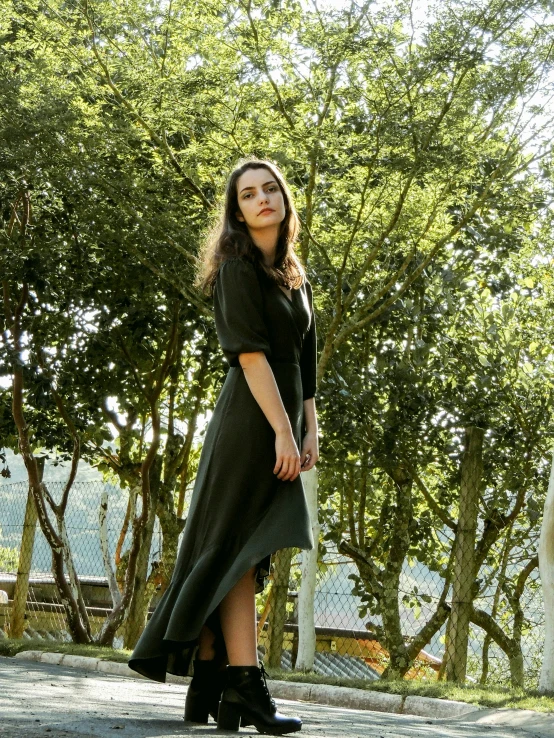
[[262, 384]]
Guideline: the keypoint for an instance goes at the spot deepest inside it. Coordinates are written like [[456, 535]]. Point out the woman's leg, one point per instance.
[[206, 650], [237, 613]]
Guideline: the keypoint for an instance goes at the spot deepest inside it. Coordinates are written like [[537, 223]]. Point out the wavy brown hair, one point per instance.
[[230, 238]]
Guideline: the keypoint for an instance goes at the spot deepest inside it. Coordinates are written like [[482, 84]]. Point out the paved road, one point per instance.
[[60, 702]]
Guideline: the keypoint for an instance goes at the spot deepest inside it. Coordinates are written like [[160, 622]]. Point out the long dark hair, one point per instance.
[[230, 238]]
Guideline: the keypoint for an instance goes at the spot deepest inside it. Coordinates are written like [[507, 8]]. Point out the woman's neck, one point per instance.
[[267, 243]]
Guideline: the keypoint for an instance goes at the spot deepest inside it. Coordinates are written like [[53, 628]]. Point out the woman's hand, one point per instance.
[[287, 466], [310, 451]]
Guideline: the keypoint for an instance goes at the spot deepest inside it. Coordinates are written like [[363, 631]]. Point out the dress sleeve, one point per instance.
[[308, 357], [238, 310]]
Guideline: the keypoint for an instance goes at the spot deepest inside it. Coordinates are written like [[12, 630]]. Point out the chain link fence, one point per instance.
[[347, 642]]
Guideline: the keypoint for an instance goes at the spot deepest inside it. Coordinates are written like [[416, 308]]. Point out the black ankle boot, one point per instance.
[[246, 701], [204, 691]]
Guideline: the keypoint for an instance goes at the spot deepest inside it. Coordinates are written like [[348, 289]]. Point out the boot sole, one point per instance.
[[231, 717]]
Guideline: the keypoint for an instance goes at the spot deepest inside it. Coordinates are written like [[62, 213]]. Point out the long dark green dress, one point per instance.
[[240, 512]]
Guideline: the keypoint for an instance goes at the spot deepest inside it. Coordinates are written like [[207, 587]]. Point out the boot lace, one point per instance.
[[264, 674]]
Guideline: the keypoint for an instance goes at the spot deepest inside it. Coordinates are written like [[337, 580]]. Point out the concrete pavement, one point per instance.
[[48, 700]]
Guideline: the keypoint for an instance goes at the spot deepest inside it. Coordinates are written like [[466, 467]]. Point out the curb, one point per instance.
[[324, 694]]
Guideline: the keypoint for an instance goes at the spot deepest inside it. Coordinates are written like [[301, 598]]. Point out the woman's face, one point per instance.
[[261, 202]]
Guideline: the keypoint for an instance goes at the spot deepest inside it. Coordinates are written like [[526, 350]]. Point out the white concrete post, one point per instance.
[[306, 596], [546, 569]]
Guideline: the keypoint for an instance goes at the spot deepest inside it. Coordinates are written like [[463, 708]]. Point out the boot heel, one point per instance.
[[195, 713], [228, 716]]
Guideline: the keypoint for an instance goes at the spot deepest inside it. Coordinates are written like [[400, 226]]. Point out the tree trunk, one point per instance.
[[516, 661], [104, 548], [400, 661], [403, 659], [546, 569], [517, 672], [17, 618], [306, 596], [78, 629], [500, 587], [463, 577], [510, 646], [278, 613], [171, 527], [143, 590]]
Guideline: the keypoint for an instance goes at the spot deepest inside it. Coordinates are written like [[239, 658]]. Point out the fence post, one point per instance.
[[463, 575], [21, 590]]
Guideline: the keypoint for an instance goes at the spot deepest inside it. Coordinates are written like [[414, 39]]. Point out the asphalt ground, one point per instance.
[[47, 700]]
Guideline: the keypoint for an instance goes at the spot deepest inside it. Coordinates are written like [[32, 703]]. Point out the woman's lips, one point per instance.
[[267, 210]]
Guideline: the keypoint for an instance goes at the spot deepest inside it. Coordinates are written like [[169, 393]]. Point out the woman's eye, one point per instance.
[[273, 188]]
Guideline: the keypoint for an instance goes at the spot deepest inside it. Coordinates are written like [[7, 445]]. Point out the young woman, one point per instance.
[[248, 499]]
